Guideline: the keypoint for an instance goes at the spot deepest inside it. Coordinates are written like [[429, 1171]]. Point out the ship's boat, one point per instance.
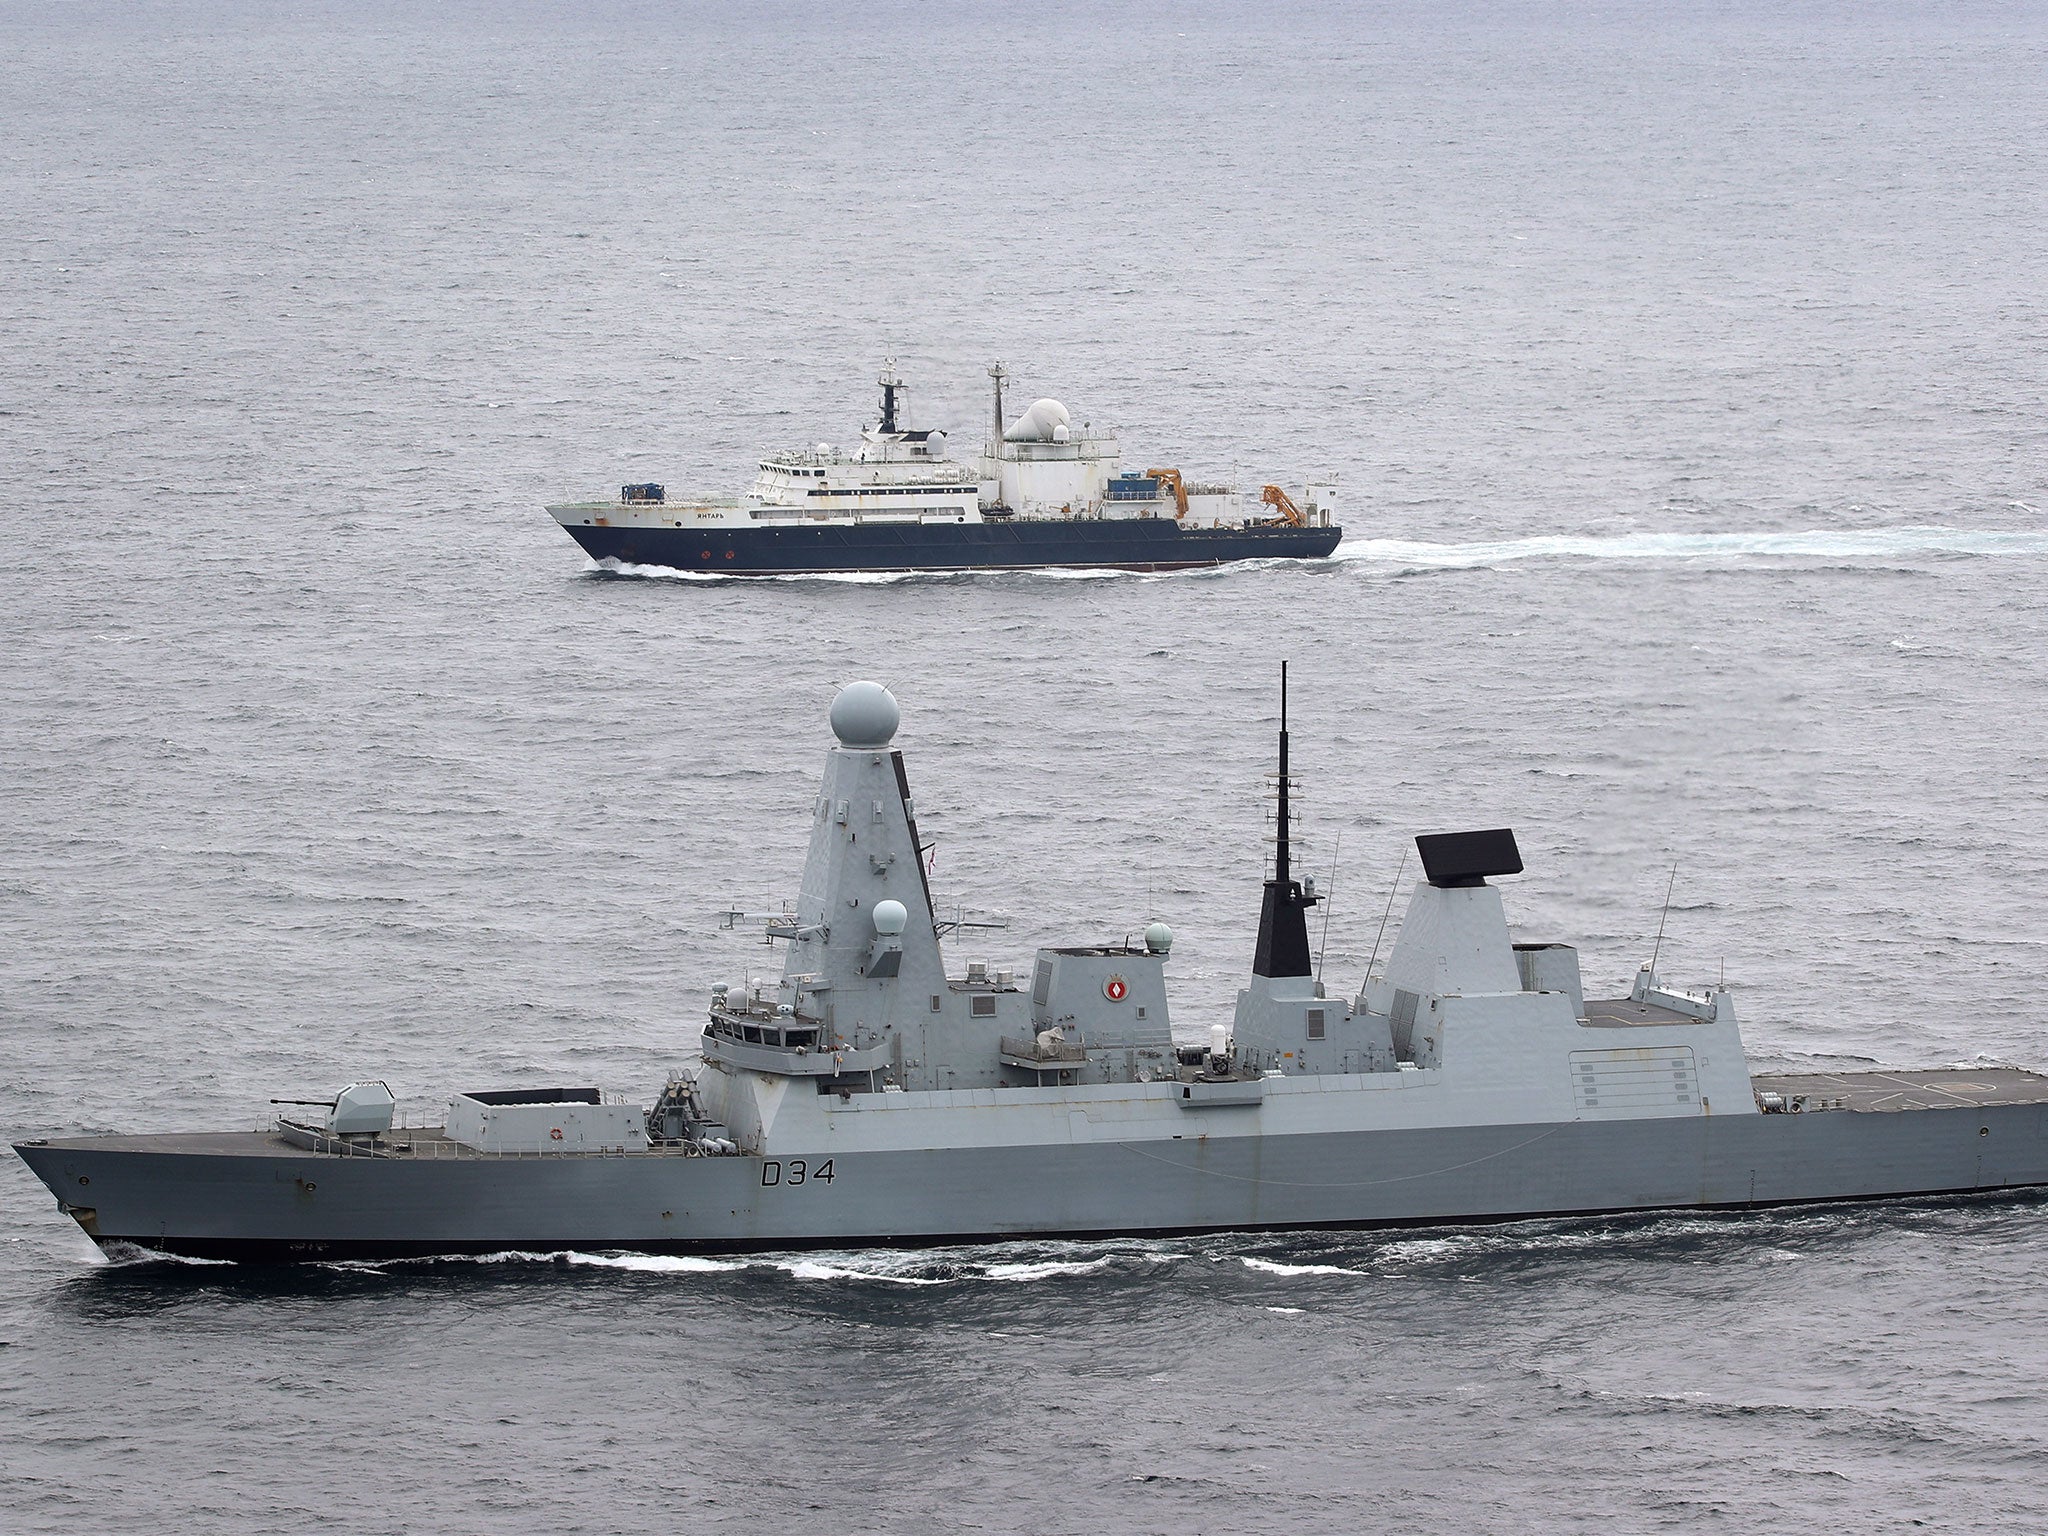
[[874, 1095], [1045, 492]]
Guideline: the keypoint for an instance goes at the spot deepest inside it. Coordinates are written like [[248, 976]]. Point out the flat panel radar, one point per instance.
[[1452, 859]]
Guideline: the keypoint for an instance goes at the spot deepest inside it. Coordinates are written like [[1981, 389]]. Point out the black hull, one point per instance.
[[1124, 544]]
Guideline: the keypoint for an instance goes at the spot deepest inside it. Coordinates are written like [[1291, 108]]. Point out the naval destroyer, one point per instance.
[[875, 1095], [1045, 492]]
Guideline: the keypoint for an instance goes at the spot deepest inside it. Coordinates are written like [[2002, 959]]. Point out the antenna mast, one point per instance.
[[1280, 870], [1392, 891], [1329, 903], [1283, 917], [1658, 948], [892, 398]]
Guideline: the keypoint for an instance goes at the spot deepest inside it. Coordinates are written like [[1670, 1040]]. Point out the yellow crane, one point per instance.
[[1283, 503], [1171, 478]]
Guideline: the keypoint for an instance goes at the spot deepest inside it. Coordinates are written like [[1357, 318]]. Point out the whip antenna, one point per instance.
[[1392, 891], [1659, 946], [1336, 854]]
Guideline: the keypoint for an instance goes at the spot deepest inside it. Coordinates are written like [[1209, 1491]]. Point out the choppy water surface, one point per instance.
[[1682, 368]]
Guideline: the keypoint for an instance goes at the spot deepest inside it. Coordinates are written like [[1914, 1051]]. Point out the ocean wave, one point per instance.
[[657, 1263], [1048, 1269], [1276, 1267], [1859, 546], [815, 1269], [123, 1255], [911, 1267]]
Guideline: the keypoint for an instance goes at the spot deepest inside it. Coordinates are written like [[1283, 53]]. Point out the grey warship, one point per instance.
[[874, 1096]]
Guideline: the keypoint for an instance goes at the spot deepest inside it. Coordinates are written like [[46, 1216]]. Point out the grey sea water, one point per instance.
[[1683, 366]]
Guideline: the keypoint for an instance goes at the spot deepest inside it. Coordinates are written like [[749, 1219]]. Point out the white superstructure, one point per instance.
[[1464, 1028]]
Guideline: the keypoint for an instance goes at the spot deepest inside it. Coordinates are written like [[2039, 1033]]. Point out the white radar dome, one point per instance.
[[890, 918], [1037, 424], [865, 715], [1159, 939]]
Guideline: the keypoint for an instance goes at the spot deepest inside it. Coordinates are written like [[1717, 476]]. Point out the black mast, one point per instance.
[[891, 387], [1283, 918]]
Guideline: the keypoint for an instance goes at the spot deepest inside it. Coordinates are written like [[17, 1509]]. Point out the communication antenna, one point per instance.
[[1281, 871], [1392, 892], [1336, 855], [1658, 947]]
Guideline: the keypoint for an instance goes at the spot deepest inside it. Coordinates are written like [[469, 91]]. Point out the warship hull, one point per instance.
[[1130, 544], [872, 1097], [1120, 1165]]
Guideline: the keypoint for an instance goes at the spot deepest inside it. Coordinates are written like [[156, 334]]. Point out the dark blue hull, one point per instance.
[[1127, 544]]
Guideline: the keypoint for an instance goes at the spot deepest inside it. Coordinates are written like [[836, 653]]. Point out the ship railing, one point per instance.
[[440, 1147], [429, 1142]]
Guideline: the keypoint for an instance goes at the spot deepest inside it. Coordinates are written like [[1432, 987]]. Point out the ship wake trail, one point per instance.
[[1853, 546], [902, 1267]]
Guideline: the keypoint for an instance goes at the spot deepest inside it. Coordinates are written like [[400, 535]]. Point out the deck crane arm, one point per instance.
[[1171, 479], [1283, 504]]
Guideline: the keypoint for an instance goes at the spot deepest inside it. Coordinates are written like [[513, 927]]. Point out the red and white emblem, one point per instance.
[[1115, 989]]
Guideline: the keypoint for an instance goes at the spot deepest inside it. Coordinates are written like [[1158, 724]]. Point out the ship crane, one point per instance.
[[1170, 478], [1283, 504]]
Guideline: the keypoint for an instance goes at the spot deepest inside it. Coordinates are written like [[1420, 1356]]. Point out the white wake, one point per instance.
[[1851, 545]]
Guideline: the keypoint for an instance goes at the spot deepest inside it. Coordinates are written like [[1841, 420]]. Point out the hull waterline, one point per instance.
[[1108, 544], [253, 1198]]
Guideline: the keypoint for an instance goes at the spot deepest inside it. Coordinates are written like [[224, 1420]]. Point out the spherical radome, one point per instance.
[[1159, 939], [865, 715], [890, 918], [1036, 425]]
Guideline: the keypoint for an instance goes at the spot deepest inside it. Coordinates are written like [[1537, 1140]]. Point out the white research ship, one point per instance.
[[1044, 492], [873, 1095]]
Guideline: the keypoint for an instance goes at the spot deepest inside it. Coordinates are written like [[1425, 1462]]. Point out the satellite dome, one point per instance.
[[865, 715], [890, 918], [1159, 939], [1036, 425]]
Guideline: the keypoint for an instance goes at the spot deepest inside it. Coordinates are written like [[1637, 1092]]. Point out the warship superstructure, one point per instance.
[[874, 1095], [1045, 492]]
